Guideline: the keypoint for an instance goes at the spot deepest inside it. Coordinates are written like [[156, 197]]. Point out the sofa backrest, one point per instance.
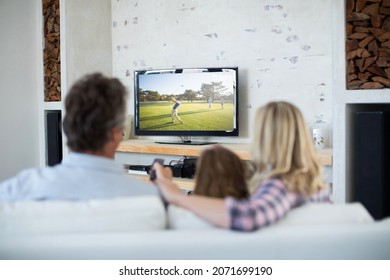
[[308, 214], [122, 214], [141, 213]]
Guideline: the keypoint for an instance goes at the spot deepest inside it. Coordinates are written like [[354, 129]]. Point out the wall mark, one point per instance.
[[293, 59], [273, 7], [265, 70], [292, 38], [185, 9], [212, 35], [221, 55], [277, 30]]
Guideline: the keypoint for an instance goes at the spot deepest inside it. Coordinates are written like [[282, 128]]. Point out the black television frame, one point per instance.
[[184, 133]]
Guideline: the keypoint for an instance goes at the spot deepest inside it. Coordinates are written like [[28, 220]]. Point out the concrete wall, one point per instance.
[[88, 38], [85, 48], [283, 48], [20, 51]]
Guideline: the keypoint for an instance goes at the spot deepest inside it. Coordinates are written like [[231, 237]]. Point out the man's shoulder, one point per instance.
[[22, 184]]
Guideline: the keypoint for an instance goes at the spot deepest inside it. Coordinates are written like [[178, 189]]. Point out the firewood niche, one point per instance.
[[51, 52], [368, 44]]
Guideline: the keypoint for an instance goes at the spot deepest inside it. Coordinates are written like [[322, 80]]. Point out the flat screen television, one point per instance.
[[186, 102]]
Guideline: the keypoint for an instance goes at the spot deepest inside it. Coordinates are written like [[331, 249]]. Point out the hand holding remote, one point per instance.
[[152, 172]]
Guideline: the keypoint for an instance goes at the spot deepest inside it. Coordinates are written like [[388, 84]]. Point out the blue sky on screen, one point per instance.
[[177, 83]]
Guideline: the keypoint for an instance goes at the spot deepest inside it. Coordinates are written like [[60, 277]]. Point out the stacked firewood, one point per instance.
[[51, 52], [368, 44]]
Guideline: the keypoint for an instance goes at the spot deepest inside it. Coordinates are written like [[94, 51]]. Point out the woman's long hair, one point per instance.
[[283, 148]]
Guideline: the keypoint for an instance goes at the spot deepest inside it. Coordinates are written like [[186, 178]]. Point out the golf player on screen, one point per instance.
[[175, 109]]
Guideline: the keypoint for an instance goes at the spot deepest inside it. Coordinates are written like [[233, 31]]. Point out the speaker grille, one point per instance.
[[53, 138], [372, 162]]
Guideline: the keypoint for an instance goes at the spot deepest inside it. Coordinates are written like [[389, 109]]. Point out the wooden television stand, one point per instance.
[[142, 152], [135, 149]]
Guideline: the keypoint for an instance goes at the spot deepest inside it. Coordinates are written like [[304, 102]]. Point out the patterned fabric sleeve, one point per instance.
[[270, 203], [322, 196]]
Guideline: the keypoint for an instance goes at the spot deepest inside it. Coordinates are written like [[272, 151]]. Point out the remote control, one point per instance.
[[152, 172]]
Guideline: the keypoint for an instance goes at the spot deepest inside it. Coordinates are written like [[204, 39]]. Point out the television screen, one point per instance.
[[186, 102]]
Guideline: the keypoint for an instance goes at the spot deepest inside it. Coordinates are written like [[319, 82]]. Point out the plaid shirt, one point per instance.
[[271, 202]]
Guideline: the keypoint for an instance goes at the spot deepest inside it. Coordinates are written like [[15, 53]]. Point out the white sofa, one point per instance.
[[140, 228]]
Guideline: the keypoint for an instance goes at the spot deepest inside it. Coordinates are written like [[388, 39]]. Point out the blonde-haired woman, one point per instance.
[[288, 174]]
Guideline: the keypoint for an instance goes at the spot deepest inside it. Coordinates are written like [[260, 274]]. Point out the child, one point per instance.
[[220, 173]]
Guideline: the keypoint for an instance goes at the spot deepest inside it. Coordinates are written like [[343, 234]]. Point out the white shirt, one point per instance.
[[79, 176]]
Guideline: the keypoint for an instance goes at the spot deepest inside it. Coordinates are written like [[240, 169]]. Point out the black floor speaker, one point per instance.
[[53, 138], [372, 159]]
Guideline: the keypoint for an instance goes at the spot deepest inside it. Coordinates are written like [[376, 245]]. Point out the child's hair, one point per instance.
[[220, 173], [283, 148]]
